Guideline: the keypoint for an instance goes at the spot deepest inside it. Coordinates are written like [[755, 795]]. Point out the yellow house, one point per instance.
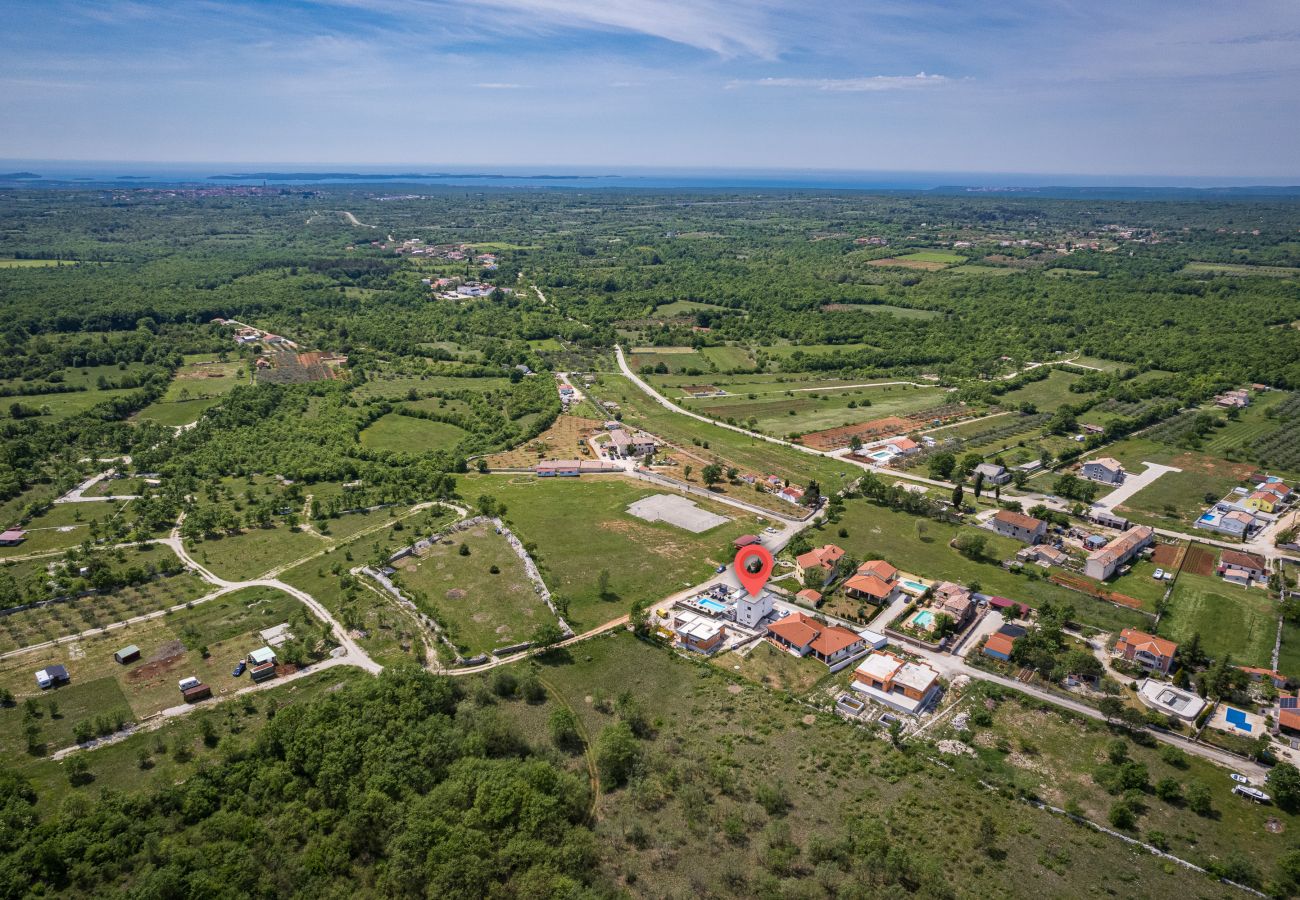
[[1261, 501]]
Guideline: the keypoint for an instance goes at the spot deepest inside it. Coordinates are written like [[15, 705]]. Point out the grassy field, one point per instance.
[[240, 557], [724, 358], [975, 269], [61, 406], [1206, 268], [395, 386], [683, 308], [579, 527], [673, 361], [1051, 755], [198, 385], [170, 647], [879, 533], [749, 454], [35, 263], [62, 526], [775, 669], [781, 412], [479, 611], [1177, 497], [767, 784], [406, 434], [1229, 618], [903, 312], [174, 752], [1047, 394]]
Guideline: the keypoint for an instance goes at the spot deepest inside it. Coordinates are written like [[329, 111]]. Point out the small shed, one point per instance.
[[11, 537], [261, 656], [196, 692], [127, 654], [262, 672]]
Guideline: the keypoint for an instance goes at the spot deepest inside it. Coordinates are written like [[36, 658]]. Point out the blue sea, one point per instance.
[[63, 173]]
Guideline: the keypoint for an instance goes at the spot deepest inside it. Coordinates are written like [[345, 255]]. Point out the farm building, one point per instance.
[[12, 537], [127, 654]]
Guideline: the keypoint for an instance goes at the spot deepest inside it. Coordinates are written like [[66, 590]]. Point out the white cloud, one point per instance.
[[869, 83]]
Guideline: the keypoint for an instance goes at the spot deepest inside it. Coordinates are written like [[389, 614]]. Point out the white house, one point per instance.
[[751, 610], [993, 473]]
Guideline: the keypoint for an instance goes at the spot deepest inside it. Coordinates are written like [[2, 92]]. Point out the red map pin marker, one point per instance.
[[753, 567]]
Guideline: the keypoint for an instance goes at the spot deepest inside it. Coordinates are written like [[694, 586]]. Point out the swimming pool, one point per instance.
[[1237, 719], [923, 618], [881, 456], [914, 587], [711, 605], [1208, 517]]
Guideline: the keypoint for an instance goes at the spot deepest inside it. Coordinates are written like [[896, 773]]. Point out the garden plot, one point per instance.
[[677, 511]]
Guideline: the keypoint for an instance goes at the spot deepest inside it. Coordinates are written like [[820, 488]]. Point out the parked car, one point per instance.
[[1159, 575], [239, 668], [722, 569], [1239, 778]]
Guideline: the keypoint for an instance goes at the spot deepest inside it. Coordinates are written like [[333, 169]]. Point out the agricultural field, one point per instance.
[[785, 351], [171, 648], [565, 439], [879, 533], [1229, 618], [578, 527], [63, 526], [406, 434], [778, 759], [479, 609], [995, 271]]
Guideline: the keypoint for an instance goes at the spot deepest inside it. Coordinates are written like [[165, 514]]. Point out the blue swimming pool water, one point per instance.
[[924, 618], [713, 605], [1207, 518], [882, 455], [1237, 719], [911, 585]]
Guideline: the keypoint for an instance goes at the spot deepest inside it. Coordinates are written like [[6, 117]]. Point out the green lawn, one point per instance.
[[1229, 618], [249, 554], [479, 611], [580, 527], [879, 533], [674, 362], [198, 385], [407, 434]]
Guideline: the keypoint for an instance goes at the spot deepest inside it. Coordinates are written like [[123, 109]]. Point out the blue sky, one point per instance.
[[1179, 88]]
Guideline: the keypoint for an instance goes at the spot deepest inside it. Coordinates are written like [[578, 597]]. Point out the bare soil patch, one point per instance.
[[1199, 560]]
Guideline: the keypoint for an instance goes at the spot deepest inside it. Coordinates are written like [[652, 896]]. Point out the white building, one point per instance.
[[1104, 470], [751, 610]]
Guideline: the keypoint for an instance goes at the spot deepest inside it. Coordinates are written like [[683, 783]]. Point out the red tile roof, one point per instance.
[[1018, 520], [869, 585], [879, 568], [796, 629], [825, 557], [833, 639], [1140, 640], [999, 643], [810, 596]]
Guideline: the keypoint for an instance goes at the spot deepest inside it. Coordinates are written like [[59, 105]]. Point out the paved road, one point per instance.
[[75, 495], [1133, 482]]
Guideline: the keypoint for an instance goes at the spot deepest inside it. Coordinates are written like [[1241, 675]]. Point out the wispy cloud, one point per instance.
[[717, 26], [867, 84]]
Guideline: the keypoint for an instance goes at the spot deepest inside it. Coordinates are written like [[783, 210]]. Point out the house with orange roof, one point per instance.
[[1261, 501], [1101, 564], [1252, 564], [870, 587], [907, 686], [881, 569], [803, 635], [1147, 650], [821, 560]]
